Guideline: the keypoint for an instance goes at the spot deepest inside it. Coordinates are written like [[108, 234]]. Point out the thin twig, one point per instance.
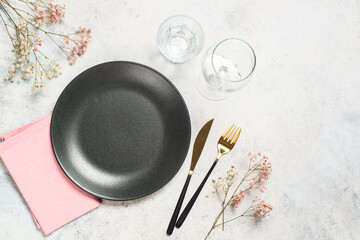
[[7, 30]]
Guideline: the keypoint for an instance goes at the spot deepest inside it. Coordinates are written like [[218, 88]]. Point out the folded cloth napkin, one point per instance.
[[52, 198]]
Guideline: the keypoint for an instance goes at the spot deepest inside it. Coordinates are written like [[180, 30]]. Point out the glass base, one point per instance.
[[209, 91]]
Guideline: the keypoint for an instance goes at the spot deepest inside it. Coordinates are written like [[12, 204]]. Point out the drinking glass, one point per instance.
[[180, 38], [226, 67]]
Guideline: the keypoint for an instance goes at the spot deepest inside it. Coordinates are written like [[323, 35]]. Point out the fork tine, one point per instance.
[[227, 131], [230, 133], [233, 135], [237, 137]]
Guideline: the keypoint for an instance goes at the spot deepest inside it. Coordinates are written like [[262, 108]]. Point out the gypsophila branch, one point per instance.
[[25, 36], [256, 176]]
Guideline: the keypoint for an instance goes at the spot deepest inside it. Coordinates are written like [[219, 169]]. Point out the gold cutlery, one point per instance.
[[225, 145], [197, 149]]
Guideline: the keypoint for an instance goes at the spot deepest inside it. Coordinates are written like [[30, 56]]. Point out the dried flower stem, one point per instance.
[[224, 206], [241, 215], [258, 208], [7, 29]]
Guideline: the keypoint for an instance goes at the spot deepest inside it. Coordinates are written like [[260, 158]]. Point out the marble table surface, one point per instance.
[[301, 108]]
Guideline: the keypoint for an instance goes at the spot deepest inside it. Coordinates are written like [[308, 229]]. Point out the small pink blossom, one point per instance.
[[237, 199], [38, 41], [263, 208], [36, 5], [261, 188], [66, 40]]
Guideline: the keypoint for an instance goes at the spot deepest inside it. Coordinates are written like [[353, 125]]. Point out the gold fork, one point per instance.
[[225, 145]]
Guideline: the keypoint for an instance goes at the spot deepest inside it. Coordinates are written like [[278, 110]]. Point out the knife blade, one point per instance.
[[199, 144]]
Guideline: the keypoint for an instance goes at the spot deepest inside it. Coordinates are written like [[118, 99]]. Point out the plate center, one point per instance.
[[119, 122]]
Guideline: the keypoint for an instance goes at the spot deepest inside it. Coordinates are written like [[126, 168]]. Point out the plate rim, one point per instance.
[[102, 197]]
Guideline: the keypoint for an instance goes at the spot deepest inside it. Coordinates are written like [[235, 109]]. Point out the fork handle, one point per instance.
[[178, 207], [188, 207]]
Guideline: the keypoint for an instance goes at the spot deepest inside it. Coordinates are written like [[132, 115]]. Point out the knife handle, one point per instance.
[[188, 207], [178, 207]]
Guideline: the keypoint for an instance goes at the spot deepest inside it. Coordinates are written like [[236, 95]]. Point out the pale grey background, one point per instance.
[[302, 108]]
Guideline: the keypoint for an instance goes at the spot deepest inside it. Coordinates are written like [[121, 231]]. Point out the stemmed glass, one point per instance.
[[226, 67]]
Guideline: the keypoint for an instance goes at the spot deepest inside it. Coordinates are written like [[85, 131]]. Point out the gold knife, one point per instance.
[[197, 149]]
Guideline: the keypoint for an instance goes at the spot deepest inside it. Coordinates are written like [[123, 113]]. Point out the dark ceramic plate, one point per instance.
[[120, 130]]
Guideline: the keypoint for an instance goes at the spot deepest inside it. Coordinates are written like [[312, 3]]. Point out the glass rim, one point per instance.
[[181, 15], [184, 16], [237, 39]]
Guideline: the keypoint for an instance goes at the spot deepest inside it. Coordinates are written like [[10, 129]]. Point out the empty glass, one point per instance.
[[180, 38], [226, 67]]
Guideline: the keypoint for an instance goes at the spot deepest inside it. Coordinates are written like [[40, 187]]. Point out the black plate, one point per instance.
[[120, 130]]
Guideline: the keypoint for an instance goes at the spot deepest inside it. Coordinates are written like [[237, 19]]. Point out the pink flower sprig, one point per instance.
[[257, 175], [237, 199], [79, 46], [47, 12], [258, 208], [264, 169], [263, 208]]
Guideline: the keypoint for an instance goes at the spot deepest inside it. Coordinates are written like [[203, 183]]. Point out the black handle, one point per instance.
[[178, 207], [188, 207]]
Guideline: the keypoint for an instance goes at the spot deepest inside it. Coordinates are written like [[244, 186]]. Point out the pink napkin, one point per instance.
[[52, 198]]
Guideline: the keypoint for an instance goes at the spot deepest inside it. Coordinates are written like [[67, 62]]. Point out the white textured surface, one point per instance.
[[302, 108]]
